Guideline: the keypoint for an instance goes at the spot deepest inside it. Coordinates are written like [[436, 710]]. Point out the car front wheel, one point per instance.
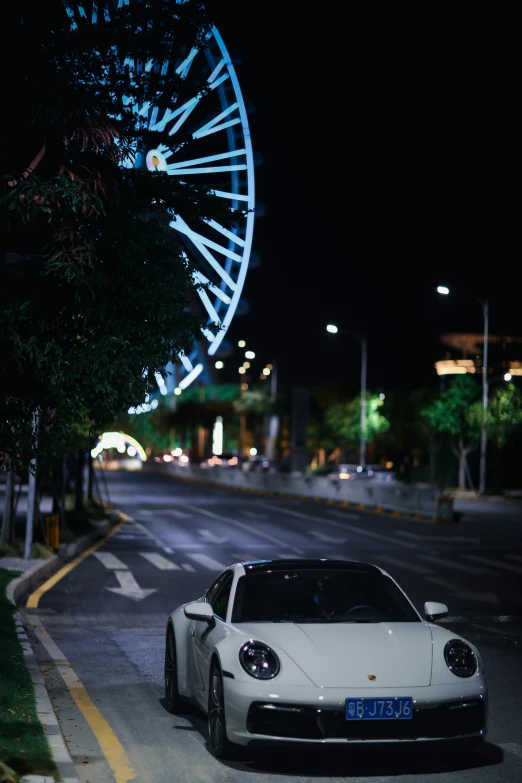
[[173, 701], [219, 744]]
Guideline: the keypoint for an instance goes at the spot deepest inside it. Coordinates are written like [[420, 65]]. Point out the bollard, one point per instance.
[[444, 510], [52, 530]]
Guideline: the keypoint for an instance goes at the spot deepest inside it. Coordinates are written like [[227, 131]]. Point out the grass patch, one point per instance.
[[17, 547], [23, 745]]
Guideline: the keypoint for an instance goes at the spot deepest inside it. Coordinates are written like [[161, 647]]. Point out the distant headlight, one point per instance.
[[259, 661], [460, 658]]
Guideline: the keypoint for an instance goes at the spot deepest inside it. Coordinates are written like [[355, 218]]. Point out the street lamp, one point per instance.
[[441, 289], [364, 364]]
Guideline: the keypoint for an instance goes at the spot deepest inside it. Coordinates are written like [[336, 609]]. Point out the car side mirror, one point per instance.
[[199, 611], [434, 610]]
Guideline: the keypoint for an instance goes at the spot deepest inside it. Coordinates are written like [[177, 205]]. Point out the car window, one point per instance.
[[213, 590], [315, 596], [220, 598]]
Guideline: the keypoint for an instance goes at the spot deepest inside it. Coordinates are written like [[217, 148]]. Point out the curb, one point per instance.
[[36, 573], [46, 716], [384, 512]]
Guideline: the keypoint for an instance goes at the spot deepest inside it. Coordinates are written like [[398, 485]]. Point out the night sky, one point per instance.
[[384, 149]]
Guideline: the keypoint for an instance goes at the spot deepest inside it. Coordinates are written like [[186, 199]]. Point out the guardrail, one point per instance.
[[387, 496]]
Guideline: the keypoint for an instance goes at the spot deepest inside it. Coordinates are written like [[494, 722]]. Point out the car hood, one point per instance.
[[346, 655]]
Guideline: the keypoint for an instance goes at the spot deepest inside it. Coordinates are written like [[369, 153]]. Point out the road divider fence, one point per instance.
[[376, 495]]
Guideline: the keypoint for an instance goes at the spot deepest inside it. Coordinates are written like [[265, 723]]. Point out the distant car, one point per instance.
[[226, 460], [256, 465], [321, 651], [345, 472]]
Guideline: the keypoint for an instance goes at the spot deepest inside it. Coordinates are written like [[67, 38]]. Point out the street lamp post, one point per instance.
[[364, 369], [483, 428]]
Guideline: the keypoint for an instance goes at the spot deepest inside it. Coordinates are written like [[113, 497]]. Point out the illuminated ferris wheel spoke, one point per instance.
[[223, 163], [198, 239], [199, 277], [228, 234]]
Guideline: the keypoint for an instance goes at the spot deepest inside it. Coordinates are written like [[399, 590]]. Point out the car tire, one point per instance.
[[218, 742], [173, 701]]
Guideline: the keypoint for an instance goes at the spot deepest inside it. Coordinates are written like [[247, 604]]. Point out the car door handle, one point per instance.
[[192, 632]]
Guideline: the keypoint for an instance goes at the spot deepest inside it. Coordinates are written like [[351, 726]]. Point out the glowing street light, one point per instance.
[[219, 365], [246, 365], [507, 376], [241, 343], [177, 391], [266, 371], [332, 328], [442, 289], [244, 386], [250, 355], [242, 371]]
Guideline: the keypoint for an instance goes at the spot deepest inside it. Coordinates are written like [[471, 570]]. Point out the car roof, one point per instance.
[[260, 566]]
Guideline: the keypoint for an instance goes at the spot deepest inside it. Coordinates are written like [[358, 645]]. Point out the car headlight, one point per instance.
[[460, 658], [259, 661]]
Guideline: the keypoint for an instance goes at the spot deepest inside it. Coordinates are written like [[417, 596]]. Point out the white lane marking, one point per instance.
[[494, 563], [129, 588], [159, 561], [158, 541], [211, 538], [324, 537], [517, 558], [351, 528], [512, 747], [489, 598], [417, 569], [465, 569], [187, 567], [243, 558], [110, 561], [242, 526], [444, 539], [286, 556], [153, 512], [343, 514], [207, 562], [253, 514]]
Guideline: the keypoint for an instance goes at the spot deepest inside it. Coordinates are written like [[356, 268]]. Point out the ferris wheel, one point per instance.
[[219, 156]]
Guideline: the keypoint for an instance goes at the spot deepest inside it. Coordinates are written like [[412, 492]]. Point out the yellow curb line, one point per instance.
[[109, 743], [34, 598]]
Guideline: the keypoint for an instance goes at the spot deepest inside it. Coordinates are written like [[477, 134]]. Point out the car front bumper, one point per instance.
[[317, 715]]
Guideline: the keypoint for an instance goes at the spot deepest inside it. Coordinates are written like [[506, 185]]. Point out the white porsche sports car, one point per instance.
[[320, 651]]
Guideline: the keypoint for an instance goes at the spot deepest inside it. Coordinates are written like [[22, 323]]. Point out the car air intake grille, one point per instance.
[[309, 723]]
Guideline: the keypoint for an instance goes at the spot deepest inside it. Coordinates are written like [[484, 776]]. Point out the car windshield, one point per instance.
[[320, 596]]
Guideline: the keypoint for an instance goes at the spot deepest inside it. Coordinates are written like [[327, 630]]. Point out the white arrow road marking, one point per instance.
[[160, 562], [243, 558], [417, 569], [350, 528], [110, 561], [343, 514], [448, 539], [207, 562], [324, 537], [464, 569], [243, 526], [211, 538], [129, 588], [188, 567], [489, 598], [253, 514], [494, 564]]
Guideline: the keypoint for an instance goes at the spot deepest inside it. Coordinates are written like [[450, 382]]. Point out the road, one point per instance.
[[107, 617]]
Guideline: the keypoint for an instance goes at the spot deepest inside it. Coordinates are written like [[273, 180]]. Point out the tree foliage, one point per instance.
[[96, 290], [505, 413], [457, 411], [344, 419]]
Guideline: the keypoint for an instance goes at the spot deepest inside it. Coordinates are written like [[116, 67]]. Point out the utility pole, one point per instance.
[[364, 366], [273, 421], [483, 429]]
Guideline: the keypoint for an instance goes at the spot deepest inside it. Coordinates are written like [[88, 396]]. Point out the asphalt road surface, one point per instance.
[[107, 619]]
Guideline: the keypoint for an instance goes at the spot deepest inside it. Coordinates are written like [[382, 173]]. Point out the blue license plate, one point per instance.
[[398, 708]]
